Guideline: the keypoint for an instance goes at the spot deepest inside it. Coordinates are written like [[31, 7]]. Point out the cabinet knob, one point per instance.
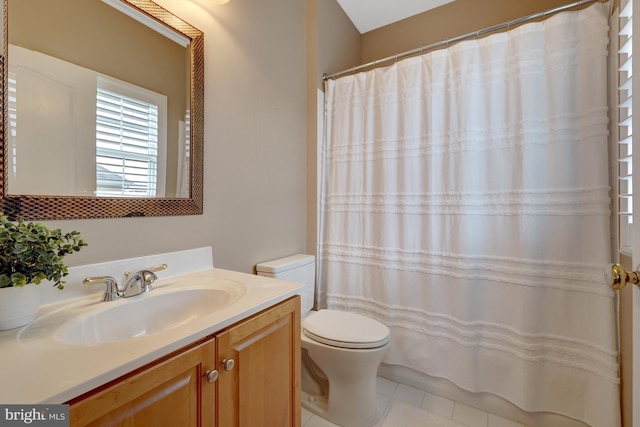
[[212, 376], [228, 364]]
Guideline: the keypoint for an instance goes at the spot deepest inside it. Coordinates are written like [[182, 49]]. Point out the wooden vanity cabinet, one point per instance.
[[171, 392], [258, 382], [262, 389]]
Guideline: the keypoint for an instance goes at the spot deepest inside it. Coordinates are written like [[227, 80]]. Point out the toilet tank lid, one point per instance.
[[284, 264]]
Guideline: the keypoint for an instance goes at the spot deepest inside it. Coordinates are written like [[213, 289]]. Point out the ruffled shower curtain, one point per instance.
[[465, 204]]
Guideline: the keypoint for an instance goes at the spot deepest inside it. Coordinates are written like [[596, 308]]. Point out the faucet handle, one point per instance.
[[158, 267], [112, 292], [149, 276]]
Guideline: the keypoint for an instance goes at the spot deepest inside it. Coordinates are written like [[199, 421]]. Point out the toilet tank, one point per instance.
[[295, 268]]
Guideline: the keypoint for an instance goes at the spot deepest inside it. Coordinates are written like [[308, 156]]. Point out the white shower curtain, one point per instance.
[[465, 204]]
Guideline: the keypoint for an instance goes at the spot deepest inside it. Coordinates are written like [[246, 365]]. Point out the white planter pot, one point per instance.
[[18, 306]]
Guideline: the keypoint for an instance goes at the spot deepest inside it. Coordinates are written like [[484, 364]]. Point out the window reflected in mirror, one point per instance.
[[104, 101]]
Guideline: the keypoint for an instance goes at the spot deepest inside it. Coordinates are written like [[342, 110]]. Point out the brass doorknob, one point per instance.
[[617, 277]]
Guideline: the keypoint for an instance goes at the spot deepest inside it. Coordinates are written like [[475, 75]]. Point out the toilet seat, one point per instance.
[[345, 330]]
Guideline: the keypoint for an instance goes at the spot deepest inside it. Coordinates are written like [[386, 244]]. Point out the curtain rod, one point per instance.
[[433, 46]]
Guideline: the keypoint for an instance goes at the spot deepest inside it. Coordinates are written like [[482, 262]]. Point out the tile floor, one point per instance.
[[389, 391]]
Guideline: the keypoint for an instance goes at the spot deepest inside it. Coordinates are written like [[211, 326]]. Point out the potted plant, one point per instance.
[[29, 254]]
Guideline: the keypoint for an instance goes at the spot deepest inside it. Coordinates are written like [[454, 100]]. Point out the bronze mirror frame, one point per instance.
[[35, 207]]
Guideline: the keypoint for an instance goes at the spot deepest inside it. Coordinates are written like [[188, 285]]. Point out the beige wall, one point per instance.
[[339, 41], [254, 154], [453, 19], [333, 43]]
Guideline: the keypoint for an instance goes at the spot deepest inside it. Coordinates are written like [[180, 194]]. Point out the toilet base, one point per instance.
[[316, 404], [352, 402]]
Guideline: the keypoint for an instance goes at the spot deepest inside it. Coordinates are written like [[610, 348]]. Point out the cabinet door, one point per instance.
[[262, 389], [174, 392]]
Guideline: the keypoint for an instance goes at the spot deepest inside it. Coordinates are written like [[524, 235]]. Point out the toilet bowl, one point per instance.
[[341, 351]]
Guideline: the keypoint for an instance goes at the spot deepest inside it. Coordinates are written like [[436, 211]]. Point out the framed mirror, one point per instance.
[[103, 110]]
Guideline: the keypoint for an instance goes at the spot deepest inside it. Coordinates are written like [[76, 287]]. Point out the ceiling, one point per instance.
[[368, 15]]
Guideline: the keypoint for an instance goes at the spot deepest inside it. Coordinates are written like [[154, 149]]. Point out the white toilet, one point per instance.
[[341, 351]]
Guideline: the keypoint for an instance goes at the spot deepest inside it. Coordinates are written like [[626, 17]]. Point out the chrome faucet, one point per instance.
[[136, 283]]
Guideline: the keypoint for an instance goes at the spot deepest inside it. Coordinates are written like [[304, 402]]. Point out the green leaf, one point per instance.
[[5, 281], [31, 253], [18, 279]]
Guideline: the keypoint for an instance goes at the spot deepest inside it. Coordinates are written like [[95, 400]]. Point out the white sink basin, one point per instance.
[[144, 315]]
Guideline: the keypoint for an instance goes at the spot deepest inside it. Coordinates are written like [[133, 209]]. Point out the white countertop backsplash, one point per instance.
[[179, 263]]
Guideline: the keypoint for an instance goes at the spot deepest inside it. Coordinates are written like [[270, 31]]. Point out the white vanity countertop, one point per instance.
[[37, 366]]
